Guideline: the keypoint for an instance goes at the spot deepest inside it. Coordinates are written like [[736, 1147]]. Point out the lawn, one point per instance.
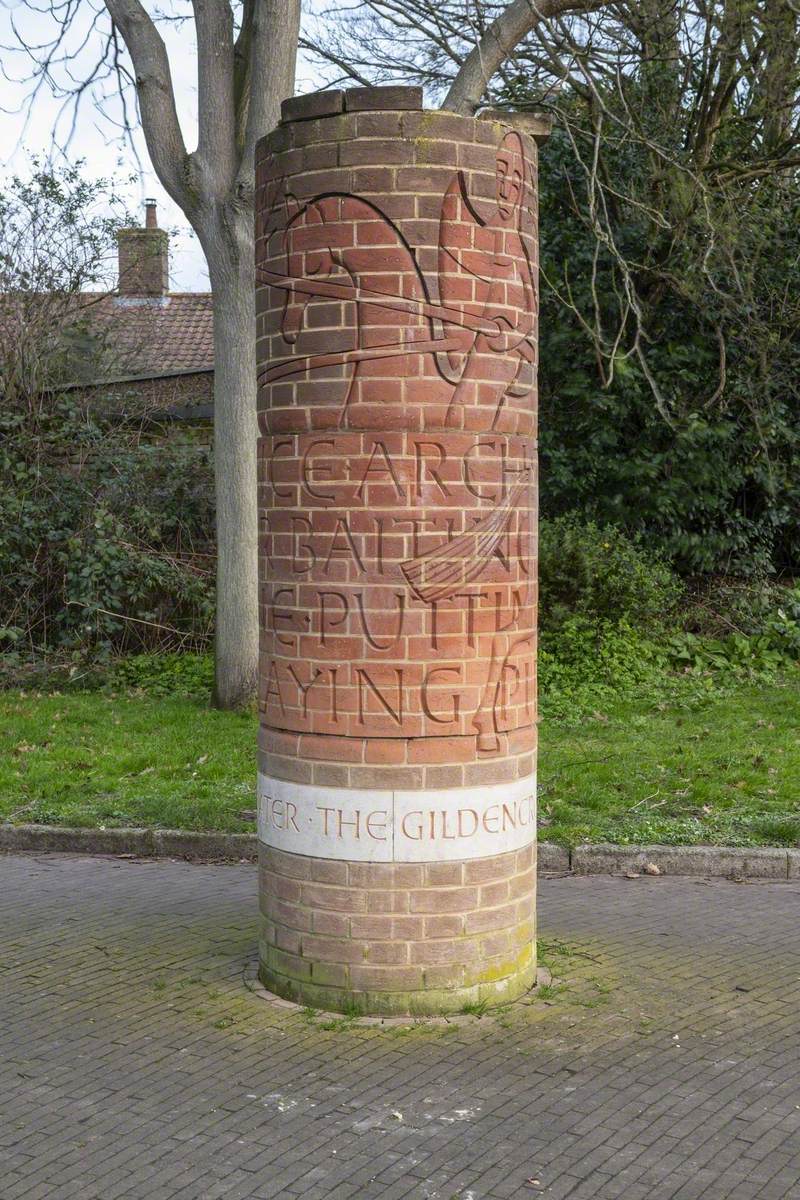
[[722, 768]]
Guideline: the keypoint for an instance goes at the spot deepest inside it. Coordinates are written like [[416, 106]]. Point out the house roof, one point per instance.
[[147, 338], [97, 337]]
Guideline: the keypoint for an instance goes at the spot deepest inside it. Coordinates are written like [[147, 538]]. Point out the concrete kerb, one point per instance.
[[726, 862], [139, 843]]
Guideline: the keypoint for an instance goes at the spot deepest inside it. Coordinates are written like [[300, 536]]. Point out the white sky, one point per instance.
[[95, 139]]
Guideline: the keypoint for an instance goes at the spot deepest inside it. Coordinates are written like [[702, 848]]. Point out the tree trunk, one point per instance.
[[230, 258]]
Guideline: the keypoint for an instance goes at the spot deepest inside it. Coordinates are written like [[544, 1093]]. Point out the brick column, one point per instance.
[[397, 315]]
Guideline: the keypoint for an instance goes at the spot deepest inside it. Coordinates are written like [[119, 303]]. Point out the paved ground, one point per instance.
[[135, 1062]]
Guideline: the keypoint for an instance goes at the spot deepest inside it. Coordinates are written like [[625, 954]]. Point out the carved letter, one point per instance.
[[376, 645], [467, 812], [305, 690], [421, 462], [364, 678], [325, 812], [281, 493], [417, 834], [376, 825], [297, 546], [273, 687], [283, 615], [379, 448], [347, 546], [426, 708], [331, 624], [310, 467], [496, 489], [516, 608]]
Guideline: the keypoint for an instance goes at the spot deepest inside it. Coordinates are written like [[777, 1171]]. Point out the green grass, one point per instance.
[[721, 767], [91, 758]]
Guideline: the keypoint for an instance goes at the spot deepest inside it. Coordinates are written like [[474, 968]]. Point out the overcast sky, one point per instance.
[[34, 127]]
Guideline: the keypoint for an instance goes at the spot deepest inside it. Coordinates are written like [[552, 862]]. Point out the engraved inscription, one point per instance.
[[397, 463], [396, 826]]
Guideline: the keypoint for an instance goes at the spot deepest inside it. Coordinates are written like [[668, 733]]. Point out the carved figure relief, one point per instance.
[[484, 267]]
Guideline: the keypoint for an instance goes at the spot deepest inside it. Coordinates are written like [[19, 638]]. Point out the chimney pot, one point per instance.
[[151, 217]]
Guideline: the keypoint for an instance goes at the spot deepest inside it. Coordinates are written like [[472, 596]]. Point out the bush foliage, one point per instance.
[[597, 572], [104, 537], [712, 479]]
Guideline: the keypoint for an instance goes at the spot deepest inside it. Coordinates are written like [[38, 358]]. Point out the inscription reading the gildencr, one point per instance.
[[396, 826]]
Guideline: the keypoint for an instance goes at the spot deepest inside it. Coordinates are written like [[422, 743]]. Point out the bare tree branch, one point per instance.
[[215, 99], [162, 130], [499, 42], [273, 41]]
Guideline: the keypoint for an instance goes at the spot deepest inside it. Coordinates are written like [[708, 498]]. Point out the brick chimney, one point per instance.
[[144, 258]]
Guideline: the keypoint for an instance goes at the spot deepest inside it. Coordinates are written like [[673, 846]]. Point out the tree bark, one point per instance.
[[240, 88], [230, 253]]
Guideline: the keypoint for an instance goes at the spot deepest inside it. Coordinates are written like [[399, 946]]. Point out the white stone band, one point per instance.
[[365, 825]]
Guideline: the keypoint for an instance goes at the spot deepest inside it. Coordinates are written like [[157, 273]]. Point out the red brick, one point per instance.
[[391, 97], [441, 750], [444, 777], [290, 965], [387, 902], [444, 950], [448, 976], [522, 885], [487, 870], [386, 751], [443, 874], [287, 939], [495, 944], [447, 925], [334, 924], [331, 775], [317, 104], [325, 870], [328, 949], [337, 749], [386, 952], [386, 979], [330, 974], [496, 893], [491, 918]]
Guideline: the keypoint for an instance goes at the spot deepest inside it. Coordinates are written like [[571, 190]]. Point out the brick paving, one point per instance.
[[136, 1062]]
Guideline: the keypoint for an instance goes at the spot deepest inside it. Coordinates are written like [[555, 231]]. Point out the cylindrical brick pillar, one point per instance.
[[397, 315]]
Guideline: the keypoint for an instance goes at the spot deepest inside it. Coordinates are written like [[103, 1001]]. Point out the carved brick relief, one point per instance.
[[398, 459]]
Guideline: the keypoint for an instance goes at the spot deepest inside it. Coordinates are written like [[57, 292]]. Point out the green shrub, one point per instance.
[[773, 644], [105, 540], [719, 605], [588, 662], [165, 674], [708, 472], [599, 573]]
